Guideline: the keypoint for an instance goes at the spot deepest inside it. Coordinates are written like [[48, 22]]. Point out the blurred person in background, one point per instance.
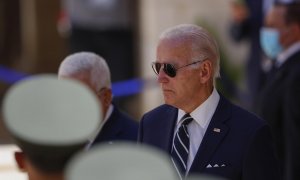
[[279, 101], [200, 128], [49, 121], [246, 21], [121, 161], [92, 70]]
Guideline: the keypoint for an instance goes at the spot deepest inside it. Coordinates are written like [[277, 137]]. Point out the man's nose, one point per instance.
[[162, 76]]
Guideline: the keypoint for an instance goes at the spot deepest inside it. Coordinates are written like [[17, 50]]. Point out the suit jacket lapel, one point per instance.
[[214, 134], [167, 128]]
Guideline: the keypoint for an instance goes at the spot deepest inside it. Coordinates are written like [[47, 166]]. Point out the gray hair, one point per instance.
[[203, 45], [90, 63]]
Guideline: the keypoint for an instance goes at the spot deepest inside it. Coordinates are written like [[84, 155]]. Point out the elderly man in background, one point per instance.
[[92, 70]]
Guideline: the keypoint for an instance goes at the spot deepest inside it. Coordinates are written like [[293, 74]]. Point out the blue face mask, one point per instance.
[[269, 41]]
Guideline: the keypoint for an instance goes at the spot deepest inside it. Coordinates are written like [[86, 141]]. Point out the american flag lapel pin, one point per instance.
[[217, 130]]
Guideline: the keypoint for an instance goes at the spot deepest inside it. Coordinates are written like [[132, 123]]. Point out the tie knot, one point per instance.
[[186, 119]]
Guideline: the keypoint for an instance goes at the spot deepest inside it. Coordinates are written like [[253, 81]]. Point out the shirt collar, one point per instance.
[[283, 56], [203, 113]]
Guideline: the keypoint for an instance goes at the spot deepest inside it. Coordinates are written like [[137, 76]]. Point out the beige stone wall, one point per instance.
[[42, 47], [157, 15]]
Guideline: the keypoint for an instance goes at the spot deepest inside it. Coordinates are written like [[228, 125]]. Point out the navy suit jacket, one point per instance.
[[243, 145], [119, 127]]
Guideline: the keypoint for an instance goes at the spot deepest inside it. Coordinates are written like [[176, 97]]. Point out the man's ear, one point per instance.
[[107, 97], [20, 159], [206, 71]]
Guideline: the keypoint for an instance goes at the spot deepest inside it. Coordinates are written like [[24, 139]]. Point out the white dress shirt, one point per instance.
[[202, 116]]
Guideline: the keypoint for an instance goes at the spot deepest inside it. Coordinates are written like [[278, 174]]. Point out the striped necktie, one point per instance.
[[181, 145]]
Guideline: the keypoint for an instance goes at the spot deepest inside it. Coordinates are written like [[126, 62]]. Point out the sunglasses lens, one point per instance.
[[170, 70], [156, 67]]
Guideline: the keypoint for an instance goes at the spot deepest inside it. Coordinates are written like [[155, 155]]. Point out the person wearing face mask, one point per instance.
[[279, 101]]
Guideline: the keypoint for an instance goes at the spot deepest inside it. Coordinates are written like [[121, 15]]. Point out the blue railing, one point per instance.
[[121, 88]]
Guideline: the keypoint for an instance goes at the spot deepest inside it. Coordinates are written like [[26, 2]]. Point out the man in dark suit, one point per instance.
[[92, 70], [203, 131], [279, 102]]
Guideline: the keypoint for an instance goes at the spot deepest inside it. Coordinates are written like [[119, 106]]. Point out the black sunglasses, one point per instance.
[[169, 69]]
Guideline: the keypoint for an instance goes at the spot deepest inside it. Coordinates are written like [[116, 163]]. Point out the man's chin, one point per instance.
[[169, 102]]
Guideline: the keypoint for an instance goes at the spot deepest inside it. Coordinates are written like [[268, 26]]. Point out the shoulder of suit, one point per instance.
[[125, 117], [161, 109], [292, 62]]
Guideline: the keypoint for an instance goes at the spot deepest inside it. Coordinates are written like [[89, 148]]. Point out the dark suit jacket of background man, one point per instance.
[[242, 145], [119, 126], [279, 104]]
